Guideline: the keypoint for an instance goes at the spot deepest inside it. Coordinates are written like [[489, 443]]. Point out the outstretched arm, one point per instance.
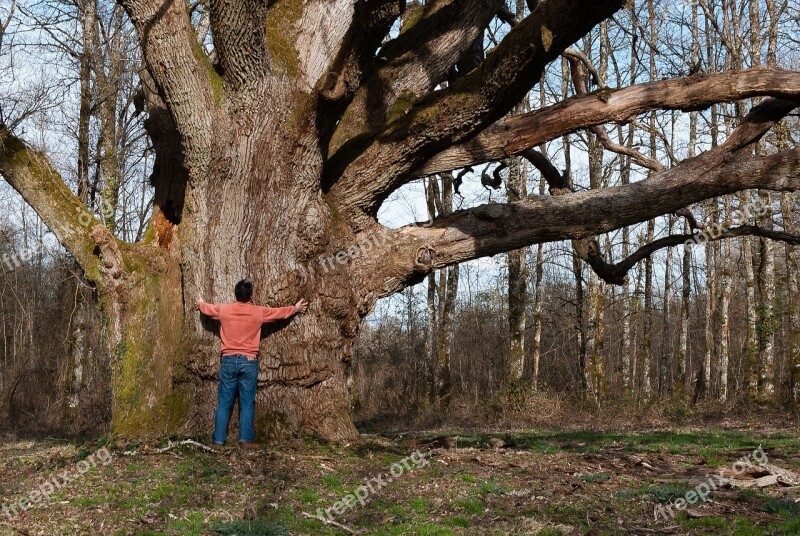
[[208, 309], [272, 314]]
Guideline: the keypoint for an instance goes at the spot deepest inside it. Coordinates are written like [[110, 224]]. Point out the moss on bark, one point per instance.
[[213, 77], [145, 403], [280, 20]]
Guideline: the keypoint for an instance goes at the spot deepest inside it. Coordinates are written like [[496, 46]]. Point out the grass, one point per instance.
[[596, 477], [585, 480], [470, 505], [255, 527]]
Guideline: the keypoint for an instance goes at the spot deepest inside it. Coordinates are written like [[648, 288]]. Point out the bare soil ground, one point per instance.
[[523, 482]]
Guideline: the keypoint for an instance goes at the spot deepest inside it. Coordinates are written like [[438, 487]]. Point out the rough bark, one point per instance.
[[431, 329]]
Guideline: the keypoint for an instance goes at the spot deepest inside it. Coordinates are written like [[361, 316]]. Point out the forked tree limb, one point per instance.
[[641, 159], [371, 22], [589, 250], [579, 65], [512, 135], [403, 71], [322, 32], [367, 173], [495, 228], [338, 85]]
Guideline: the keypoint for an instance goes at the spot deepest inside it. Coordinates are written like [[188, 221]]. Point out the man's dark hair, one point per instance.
[[244, 290]]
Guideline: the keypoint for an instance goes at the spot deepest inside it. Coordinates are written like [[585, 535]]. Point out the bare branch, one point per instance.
[[576, 56], [693, 223], [496, 228], [580, 63], [615, 273], [559, 184], [511, 136]]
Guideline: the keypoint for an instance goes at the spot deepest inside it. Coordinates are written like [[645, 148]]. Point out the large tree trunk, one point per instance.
[[165, 375], [766, 283], [517, 284], [751, 346]]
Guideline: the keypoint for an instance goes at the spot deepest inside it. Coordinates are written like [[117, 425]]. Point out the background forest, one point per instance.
[[713, 325]]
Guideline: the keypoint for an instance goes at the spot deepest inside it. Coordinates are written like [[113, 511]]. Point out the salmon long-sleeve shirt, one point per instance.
[[240, 324]]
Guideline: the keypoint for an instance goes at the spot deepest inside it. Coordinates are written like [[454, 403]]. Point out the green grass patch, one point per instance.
[[489, 487], [665, 493], [255, 527], [783, 507], [418, 529], [457, 521], [191, 525], [333, 483], [470, 505], [420, 504], [627, 494], [307, 496]]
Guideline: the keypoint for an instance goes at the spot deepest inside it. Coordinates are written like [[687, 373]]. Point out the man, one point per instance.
[[240, 331]]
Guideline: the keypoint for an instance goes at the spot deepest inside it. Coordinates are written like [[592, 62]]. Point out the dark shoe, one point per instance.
[[218, 447], [249, 445]]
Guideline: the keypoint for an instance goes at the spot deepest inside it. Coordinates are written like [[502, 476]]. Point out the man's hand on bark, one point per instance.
[[199, 300], [301, 306]]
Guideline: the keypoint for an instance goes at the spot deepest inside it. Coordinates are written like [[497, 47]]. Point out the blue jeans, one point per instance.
[[236, 373]]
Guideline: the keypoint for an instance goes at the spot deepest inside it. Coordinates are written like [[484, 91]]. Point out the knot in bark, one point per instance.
[[489, 212], [426, 255]]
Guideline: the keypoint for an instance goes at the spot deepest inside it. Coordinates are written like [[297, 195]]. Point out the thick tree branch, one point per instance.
[[339, 84], [465, 108], [512, 135], [326, 33], [181, 72], [240, 39], [496, 228], [31, 174], [405, 71]]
